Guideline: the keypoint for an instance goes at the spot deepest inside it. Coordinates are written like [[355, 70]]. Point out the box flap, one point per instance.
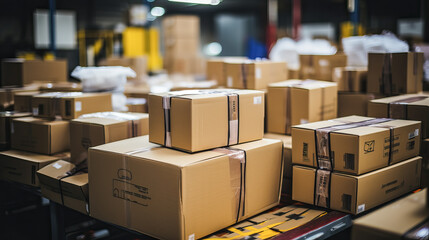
[[28, 156]]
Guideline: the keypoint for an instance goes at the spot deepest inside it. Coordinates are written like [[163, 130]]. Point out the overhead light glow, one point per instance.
[[157, 11], [213, 49], [210, 2]]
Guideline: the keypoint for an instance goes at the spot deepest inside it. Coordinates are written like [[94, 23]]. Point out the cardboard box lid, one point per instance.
[[328, 123], [396, 218], [40, 121], [58, 94], [108, 118], [14, 114], [303, 84], [28, 156]]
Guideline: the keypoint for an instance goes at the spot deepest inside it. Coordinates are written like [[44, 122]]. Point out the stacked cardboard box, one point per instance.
[[216, 68], [182, 44], [353, 164], [320, 67]]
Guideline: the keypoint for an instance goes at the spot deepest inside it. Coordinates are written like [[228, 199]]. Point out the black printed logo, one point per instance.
[[369, 146]]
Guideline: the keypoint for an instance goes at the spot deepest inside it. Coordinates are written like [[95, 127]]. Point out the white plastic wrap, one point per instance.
[[112, 115], [103, 78]]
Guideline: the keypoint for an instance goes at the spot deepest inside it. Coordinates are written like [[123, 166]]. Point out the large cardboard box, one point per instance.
[[96, 129], [181, 26], [70, 105], [5, 127], [350, 79], [23, 101], [170, 194], [138, 64], [197, 120], [40, 135], [351, 103], [410, 106], [355, 194], [19, 72], [295, 102], [252, 74], [354, 144], [21, 167], [215, 69], [320, 67], [406, 218], [395, 73], [60, 183]]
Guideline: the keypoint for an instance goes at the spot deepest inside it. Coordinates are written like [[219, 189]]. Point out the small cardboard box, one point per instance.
[[395, 73], [138, 64], [350, 79], [170, 194], [287, 152], [21, 167], [181, 26], [197, 120], [320, 67], [251, 74], [5, 127], [405, 218], [23, 101], [96, 129], [19, 72], [350, 103], [61, 87], [70, 105], [410, 106], [355, 194], [355, 145], [295, 102], [59, 183], [137, 105], [215, 69], [40, 135]]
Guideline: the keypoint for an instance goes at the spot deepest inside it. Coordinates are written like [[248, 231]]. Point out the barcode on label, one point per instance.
[[349, 161], [305, 150], [413, 134], [361, 208]]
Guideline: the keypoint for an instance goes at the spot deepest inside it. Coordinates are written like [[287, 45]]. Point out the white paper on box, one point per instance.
[[35, 111], [229, 81], [257, 100], [78, 106], [258, 73]]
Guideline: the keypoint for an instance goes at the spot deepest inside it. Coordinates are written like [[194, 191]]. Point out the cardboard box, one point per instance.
[[254, 74], [215, 69], [19, 72], [70, 105], [197, 120], [170, 194], [137, 105], [96, 129], [59, 183], [411, 106], [61, 87], [21, 167], [355, 145], [138, 64], [182, 46], [287, 152], [181, 26], [401, 219], [295, 102], [183, 64], [5, 127], [23, 101], [350, 103], [350, 79], [7, 96], [293, 73], [395, 73], [40, 135], [320, 67], [355, 194], [424, 152]]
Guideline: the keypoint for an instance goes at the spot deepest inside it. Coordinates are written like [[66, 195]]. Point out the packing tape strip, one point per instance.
[[244, 75], [322, 188], [386, 75], [233, 118], [398, 109]]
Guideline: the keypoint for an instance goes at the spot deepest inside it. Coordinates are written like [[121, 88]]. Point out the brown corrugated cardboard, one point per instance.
[[410, 106], [350, 79], [40, 135], [7, 96], [355, 194], [70, 105], [197, 120], [21, 167], [398, 220], [395, 73], [19, 72], [287, 152], [254, 74], [170, 194], [293, 73], [5, 127], [137, 105], [61, 87], [356, 144], [182, 46], [137, 91], [181, 26], [59, 183], [295, 102], [138, 64], [350, 103], [424, 152], [320, 67], [100, 128], [215, 69], [23, 101], [184, 64]]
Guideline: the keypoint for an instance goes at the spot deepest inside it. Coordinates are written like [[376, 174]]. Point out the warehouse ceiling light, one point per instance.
[[213, 49], [211, 2], [157, 11]]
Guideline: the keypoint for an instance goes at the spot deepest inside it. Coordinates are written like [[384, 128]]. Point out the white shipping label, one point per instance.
[[257, 100], [413, 134], [57, 165], [361, 208], [258, 73], [35, 111], [229, 81], [78, 106]]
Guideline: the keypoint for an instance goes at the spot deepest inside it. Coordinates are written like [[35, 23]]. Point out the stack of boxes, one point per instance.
[[209, 169], [181, 38]]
